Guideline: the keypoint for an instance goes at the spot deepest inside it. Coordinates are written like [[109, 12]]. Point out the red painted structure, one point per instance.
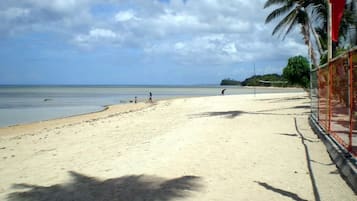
[[334, 99]]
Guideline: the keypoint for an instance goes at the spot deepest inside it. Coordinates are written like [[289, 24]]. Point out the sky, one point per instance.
[[139, 42]]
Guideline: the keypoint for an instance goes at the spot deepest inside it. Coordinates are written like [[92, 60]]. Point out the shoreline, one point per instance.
[[12, 115], [105, 107]]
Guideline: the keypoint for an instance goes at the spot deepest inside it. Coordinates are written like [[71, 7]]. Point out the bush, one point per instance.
[[297, 72]]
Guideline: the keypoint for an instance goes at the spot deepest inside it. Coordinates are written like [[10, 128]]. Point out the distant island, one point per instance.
[[229, 81], [274, 80]]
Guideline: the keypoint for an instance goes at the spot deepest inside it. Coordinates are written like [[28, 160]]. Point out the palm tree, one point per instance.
[[318, 14], [303, 13], [347, 29], [295, 12]]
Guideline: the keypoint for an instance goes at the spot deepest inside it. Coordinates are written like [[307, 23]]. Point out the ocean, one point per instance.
[[26, 104]]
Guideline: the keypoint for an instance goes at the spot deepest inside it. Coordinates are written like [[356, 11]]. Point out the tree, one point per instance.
[[265, 80], [295, 12], [297, 72], [311, 16], [229, 81], [347, 31], [348, 23]]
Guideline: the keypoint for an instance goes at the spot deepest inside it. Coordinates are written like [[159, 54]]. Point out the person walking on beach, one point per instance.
[[222, 92], [136, 99], [150, 97]]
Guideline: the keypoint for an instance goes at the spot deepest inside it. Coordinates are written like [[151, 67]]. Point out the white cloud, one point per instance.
[[213, 48], [294, 47], [194, 31], [95, 36], [230, 48], [232, 25], [13, 13], [102, 33], [203, 31], [57, 16], [179, 46], [62, 6], [171, 18], [127, 15]]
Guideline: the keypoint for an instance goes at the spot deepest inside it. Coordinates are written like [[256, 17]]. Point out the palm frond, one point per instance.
[[285, 22], [319, 12], [278, 12], [322, 37], [275, 2], [293, 22]]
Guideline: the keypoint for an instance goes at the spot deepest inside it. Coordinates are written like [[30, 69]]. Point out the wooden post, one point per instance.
[[351, 99], [255, 82], [329, 32], [329, 58], [329, 97]]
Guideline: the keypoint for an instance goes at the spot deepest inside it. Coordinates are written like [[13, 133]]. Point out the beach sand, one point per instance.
[[239, 147]]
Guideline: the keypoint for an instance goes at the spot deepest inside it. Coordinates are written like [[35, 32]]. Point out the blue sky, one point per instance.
[[138, 41]]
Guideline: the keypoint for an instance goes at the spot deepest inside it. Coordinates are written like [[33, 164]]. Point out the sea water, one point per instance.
[[25, 104]]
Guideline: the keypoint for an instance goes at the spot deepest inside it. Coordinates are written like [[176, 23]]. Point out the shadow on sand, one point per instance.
[[291, 195], [226, 114], [133, 187], [235, 113], [296, 135]]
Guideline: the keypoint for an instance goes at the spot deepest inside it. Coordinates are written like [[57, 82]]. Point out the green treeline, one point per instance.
[[295, 74], [265, 80], [258, 80], [229, 81]]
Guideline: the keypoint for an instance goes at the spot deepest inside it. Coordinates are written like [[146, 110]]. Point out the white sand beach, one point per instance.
[[220, 148]]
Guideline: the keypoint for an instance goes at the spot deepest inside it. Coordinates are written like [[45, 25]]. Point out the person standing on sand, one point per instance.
[[150, 97], [222, 92], [136, 99]]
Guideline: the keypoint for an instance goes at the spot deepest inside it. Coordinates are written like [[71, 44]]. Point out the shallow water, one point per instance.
[[25, 104]]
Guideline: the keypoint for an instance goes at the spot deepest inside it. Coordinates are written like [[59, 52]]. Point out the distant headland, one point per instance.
[[274, 80]]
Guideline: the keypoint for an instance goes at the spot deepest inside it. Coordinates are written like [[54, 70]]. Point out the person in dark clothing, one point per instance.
[[222, 92], [150, 96]]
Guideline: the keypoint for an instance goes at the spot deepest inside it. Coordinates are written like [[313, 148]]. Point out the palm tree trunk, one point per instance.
[[305, 30], [317, 39], [312, 55]]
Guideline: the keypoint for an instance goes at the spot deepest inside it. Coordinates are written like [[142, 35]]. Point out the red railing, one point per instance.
[[335, 94]]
